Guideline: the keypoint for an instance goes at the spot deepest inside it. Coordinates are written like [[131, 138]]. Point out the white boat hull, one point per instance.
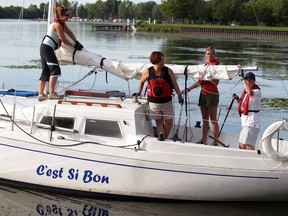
[[119, 167]]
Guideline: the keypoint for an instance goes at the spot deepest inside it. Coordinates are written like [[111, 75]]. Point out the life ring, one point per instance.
[[266, 141]]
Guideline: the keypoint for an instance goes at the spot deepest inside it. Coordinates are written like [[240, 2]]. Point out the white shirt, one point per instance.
[[253, 118]]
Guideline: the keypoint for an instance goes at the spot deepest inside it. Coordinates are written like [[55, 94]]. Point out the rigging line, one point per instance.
[[10, 51], [84, 77], [273, 59]]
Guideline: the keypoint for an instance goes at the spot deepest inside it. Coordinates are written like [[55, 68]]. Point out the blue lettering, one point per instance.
[[96, 178], [105, 179], [43, 170], [40, 170], [73, 174], [89, 176]]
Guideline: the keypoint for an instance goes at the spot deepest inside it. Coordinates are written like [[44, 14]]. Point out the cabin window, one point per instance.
[[103, 128], [63, 122]]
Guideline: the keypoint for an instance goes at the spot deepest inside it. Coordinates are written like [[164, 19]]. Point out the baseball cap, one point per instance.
[[249, 75]]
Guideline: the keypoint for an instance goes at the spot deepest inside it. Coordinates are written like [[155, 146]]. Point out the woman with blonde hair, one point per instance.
[[208, 99]]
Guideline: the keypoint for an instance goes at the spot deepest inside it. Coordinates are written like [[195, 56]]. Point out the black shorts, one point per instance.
[[210, 100], [50, 66]]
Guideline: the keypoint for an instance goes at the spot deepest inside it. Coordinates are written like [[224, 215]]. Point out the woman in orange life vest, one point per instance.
[[249, 105], [52, 41], [160, 80], [208, 99]]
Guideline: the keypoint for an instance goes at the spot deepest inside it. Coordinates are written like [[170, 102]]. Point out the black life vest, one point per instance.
[[159, 87]]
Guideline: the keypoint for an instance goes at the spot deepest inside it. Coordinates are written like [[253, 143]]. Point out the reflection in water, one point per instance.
[[26, 202]]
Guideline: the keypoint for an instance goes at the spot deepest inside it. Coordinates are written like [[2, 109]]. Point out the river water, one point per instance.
[[19, 47]]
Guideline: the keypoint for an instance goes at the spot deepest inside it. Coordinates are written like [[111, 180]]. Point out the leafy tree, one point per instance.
[[11, 12], [1, 12], [226, 10], [43, 10], [111, 8], [82, 11], [32, 12], [182, 9], [125, 9], [99, 9], [168, 8], [144, 10], [157, 13]]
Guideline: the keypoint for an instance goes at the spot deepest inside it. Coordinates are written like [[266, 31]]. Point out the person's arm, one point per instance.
[[59, 29], [70, 33], [215, 81], [248, 88], [142, 81], [176, 86], [195, 85], [174, 82]]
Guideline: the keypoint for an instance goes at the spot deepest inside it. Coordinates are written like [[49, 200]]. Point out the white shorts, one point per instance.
[[248, 135], [161, 110]]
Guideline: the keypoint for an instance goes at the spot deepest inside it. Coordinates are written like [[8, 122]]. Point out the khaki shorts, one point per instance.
[[161, 110], [210, 100], [248, 135]]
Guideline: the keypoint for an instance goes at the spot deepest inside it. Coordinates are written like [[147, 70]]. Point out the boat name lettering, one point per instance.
[[89, 176], [73, 174], [44, 170]]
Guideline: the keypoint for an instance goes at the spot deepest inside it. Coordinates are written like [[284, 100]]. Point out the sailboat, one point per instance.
[[103, 144]]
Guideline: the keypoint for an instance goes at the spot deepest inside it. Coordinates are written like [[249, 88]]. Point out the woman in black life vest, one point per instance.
[[52, 41], [161, 80]]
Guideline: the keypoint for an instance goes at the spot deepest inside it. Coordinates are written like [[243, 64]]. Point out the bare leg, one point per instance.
[[52, 84], [160, 126], [213, 118], [41, 87], [168, 127], [205, 119]]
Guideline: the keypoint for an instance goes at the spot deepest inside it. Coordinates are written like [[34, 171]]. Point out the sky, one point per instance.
[[26, 3]]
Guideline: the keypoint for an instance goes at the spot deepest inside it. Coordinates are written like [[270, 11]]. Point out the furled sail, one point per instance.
[[67, 55]]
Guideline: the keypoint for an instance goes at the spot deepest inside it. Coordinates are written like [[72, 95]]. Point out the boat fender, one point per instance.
[[266, 141]]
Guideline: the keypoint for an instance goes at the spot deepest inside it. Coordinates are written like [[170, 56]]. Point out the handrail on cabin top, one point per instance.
[[88, 103]]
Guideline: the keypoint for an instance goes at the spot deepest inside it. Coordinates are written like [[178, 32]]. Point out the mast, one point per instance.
[[52, 5]]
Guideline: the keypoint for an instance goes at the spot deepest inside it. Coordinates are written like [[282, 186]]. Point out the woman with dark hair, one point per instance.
[[52, 41], [161, 81]]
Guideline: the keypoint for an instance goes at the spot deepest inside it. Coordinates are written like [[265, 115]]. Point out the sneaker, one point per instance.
[[161, 137], [42, 97], [54, 96], [201, 142]]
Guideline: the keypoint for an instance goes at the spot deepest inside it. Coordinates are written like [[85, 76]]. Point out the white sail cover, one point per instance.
[[134, 70]]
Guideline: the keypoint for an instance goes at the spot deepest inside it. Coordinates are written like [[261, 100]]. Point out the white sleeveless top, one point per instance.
[[51, 34]]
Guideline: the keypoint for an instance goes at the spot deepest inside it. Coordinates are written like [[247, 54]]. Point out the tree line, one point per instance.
[[222, 12]]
